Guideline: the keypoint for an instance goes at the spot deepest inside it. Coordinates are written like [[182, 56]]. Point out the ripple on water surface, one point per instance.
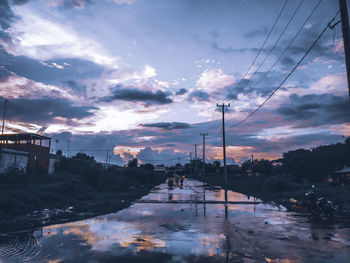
[[185, 232]]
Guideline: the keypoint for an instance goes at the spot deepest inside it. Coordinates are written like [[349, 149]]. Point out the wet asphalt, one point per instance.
[[175, 224]]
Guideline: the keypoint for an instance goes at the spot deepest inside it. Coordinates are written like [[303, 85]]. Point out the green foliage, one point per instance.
[[133, 163], [83, 156], [263, 167], [316, 164], [147, 166], [277, 184]]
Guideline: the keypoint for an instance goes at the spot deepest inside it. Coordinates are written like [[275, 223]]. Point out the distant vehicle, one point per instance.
[[160, 168]]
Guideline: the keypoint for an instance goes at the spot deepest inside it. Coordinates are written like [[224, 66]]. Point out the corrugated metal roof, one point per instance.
[[23, 136]]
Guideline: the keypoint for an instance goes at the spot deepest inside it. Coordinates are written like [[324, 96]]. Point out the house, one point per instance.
[[36, 146], [13, 158], [341, 176]]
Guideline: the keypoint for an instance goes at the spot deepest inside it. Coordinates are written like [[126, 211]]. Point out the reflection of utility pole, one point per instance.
[[204, 134], [3, 118], [195, 156], [222, 106], [56, 143], [346, 36]]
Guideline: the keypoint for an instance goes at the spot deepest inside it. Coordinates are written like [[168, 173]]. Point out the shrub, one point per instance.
[[276, 184]]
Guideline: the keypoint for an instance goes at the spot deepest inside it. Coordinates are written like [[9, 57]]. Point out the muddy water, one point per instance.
[[184, 232]]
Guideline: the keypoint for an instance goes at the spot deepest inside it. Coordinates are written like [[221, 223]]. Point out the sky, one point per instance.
[[142, 78]]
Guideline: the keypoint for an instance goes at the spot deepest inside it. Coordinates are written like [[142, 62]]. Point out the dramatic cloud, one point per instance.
[[181, 91], [50, 71], [214, 80], [319, 109], [4, 74], [168, 125], [149, 155], [133, 94], [198, 95], [56, 40], [6, 18], [76, 4], [45, 110]]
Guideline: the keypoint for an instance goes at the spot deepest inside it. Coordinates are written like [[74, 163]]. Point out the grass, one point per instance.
[[280, 190], [89, 188]]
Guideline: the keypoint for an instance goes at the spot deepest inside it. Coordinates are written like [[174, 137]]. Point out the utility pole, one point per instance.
[[68, 149], [107, 157], [195, 156], [191, 164], [346, 36], [204, 134], [223, 106], [3, 118]]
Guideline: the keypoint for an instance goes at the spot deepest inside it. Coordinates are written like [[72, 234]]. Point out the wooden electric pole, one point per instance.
[[204, 134], [223, 106], [191, 164], [3, 118], [195, 158], [346, 36]]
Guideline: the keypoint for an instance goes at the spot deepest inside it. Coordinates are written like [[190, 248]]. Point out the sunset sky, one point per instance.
[[142, 78]]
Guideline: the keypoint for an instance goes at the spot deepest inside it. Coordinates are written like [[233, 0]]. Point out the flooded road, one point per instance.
[[154, 230]]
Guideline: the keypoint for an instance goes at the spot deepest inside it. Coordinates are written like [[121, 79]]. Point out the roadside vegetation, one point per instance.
[[80, 186], [289, 177]]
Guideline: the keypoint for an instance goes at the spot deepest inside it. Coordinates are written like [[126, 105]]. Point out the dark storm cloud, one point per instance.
[[323, 48], [168, 125], [133, 94], [181, 91], [199, 95], [76, 87], [248, 86], [4, 74], [46, 72], [44, 110], [318, 108], [7, 17], [6, 14]]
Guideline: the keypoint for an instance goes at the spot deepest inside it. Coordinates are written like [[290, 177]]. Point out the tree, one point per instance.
[[147, 166], [263, 166], [316, 164], [83, 157], [133, 163]]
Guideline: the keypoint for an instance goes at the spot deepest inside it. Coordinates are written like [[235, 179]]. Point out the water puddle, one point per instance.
[[183, 232]]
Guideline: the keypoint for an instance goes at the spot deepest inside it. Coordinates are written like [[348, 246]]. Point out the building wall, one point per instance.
[[9, 158], [38, 155], [52, 163]]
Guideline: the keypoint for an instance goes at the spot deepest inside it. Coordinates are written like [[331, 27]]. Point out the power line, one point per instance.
[[288, 46], [290, 73], [263, 45], [277, 41]]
